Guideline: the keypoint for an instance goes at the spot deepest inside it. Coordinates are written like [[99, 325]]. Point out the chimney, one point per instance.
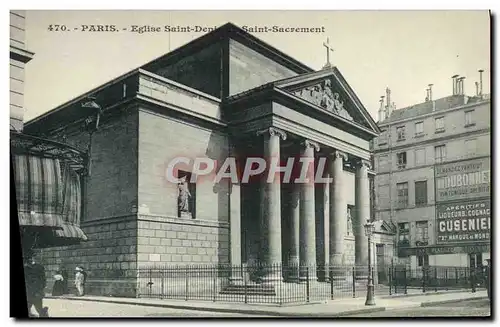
[[381, 115], [388, 101], [430, 92], [481, 82], [462, 89], [454, 79], [458, 87], [477, 88], [426, 95]]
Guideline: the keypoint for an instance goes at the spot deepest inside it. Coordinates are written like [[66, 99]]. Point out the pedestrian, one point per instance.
[[58, 288], [80, 281], [35, 287], [64, 274]]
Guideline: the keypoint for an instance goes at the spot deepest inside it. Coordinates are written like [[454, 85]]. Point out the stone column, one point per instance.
[[293, 258], [307, 253], [271, 205], [235, 227], [362, 214], [338, 213], [326, 228]]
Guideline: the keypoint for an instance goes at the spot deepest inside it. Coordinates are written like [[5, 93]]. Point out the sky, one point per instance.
[[402, 50]]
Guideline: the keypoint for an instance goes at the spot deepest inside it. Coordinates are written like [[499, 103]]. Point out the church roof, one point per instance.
[[226, 31]]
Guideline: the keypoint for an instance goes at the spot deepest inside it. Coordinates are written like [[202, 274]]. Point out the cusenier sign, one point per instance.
[[463, 222]]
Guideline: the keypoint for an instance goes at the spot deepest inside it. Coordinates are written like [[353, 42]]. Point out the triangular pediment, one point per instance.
[[328, 90]]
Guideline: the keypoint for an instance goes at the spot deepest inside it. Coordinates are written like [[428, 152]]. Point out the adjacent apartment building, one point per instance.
[[432, 163], [19, 56]]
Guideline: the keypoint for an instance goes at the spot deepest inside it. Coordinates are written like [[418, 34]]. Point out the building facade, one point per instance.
[[19, 57], [224, 95], [433, 178]]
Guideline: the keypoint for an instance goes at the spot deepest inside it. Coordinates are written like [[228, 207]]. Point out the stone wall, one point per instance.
[[17, 72], [162, 139], [171, 241], [109, 257], [201, 71], [249, 69]]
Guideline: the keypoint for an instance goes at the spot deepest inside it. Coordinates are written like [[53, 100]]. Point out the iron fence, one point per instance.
[[254, 284], [276, 284], [434, 278]]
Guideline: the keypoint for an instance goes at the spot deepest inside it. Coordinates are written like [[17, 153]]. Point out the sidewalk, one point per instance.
[[333, 308]]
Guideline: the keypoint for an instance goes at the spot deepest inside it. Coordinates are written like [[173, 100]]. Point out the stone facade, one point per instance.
[[19, 56], [461, 140], [132, 215], [109, 257], [171, 241]]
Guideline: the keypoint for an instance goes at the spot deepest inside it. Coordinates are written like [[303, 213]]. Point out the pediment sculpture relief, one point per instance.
[[322, 95]]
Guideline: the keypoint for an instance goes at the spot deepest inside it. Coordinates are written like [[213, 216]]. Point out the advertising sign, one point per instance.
[[462, 180], [466, 221], [436, 250]]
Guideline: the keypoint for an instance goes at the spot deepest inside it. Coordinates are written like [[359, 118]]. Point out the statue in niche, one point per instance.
[[184, 196], [349, 222]]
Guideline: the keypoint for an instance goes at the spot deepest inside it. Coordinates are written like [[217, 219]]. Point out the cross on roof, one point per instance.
[[328, 49]]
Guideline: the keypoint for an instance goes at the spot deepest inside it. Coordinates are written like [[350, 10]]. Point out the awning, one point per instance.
[[69, 231], [48, 190], [39, 191]]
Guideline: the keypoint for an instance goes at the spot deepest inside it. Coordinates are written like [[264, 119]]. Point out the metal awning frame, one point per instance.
[[21, 143]]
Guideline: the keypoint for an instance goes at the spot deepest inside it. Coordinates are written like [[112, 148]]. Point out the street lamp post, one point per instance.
[[370, 296], [91, 124]]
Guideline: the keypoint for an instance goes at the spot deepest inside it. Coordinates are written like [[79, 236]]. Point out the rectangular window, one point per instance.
[[402, 194], [401, 160], [419, 128], [422, 233], [439, 124], [440, 153], [469, 118], [471, 147], [423, 260], [404, 234], [401, 132], [419, 157], [421, 193], [186, 196]]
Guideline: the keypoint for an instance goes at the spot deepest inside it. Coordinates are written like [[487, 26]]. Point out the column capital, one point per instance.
[[310, 144], [336, 154], [360, 163], [273, 131]]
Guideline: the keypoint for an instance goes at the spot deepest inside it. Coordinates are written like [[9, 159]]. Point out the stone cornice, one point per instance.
[[21, 55], [317, 136], [182, 221]]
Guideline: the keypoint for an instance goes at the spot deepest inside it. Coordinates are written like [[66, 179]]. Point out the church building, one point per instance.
[[224, 95]]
